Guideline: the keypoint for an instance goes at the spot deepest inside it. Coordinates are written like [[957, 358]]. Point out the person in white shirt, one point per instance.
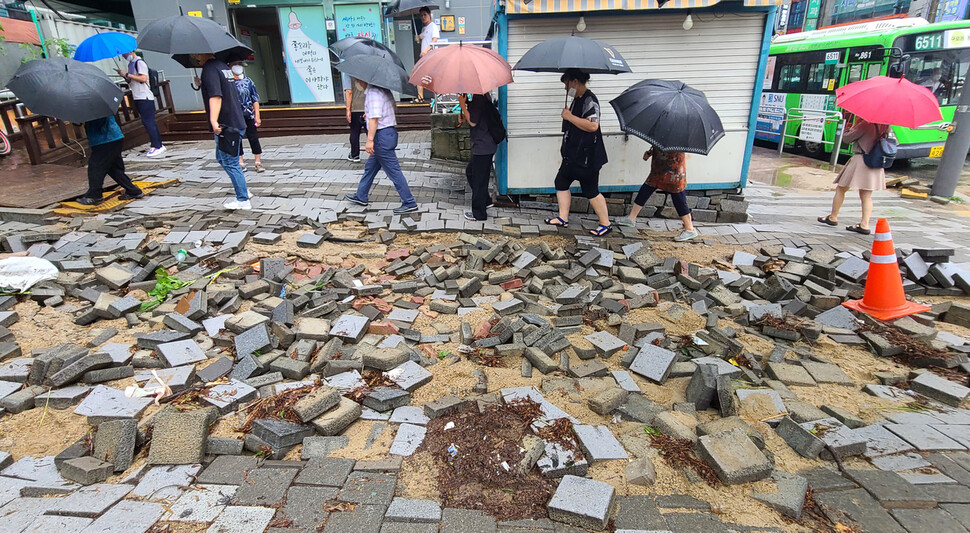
[[141, 94], [429, 35]]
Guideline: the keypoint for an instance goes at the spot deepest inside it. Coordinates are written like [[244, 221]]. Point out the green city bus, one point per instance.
[[804, 70]]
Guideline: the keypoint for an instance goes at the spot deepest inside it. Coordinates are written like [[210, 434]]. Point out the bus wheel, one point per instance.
[[813, 149]]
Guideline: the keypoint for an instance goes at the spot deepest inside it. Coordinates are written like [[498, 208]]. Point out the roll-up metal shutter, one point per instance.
[[719, 55]]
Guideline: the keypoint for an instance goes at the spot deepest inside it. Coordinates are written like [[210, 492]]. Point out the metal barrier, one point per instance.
[[815, 114]]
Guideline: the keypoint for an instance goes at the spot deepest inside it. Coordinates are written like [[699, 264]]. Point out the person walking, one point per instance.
[[226, 119], [856, 174], [144, 99], [381, 145], [249, 99], [105, 139], [583, 153], [354, 97], [668, 172], [477, 113], [428, 36]]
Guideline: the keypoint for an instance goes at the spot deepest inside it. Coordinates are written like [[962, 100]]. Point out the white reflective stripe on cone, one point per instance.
[[884, 236], [883, 259]]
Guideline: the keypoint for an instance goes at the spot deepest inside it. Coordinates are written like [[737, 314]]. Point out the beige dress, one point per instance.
[[855, 174]]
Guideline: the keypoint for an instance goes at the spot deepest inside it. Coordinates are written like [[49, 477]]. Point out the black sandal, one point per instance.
[[827, 221], [858, 229]]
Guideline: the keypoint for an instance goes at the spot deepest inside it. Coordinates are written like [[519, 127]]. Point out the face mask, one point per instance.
[[571, 92], [237, 70]]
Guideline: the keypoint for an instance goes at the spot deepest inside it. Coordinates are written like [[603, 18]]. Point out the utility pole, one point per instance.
[[955, 151]]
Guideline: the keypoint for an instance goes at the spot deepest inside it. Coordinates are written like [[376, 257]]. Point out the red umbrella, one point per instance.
[[884, 100], [461, 69]]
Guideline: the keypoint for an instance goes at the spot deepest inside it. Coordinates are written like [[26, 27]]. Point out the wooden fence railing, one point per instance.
[[44, 136]]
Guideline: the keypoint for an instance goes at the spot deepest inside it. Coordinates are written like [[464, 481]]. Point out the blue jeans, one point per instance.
[[230, 163], [146, 110], [384, 157]]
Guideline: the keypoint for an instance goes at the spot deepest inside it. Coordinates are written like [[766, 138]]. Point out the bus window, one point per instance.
[[791, 77], [875, 69], [819, 75], [941, 72], [855, 73]]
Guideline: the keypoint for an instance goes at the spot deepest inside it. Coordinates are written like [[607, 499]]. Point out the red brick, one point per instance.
[[511, 284], [383, 328]]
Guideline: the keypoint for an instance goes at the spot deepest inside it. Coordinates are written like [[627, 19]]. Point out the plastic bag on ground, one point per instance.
[[22, 273]]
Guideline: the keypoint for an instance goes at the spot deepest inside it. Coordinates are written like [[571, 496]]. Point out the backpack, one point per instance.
[[495, 127], [152, 78], [883, 153]]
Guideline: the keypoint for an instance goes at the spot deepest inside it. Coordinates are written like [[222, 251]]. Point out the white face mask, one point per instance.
[[237, 70], [571, 92]]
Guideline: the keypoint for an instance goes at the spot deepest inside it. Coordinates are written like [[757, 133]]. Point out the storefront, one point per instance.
[[722, 51]]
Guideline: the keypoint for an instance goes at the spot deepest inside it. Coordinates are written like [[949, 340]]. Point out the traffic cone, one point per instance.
[[884, 297]]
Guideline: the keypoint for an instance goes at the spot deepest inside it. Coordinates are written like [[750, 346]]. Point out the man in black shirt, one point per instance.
[[226, 119]]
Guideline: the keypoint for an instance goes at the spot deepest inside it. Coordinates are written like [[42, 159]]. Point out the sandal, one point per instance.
[[601, 230], [562, 223], [828, 221], [858, 229], [259, 167]]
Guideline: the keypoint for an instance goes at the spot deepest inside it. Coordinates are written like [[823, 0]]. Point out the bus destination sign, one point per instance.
[[941, 40]]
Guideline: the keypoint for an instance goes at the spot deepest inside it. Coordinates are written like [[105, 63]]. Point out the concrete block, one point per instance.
[[582, 503], [734, 457]]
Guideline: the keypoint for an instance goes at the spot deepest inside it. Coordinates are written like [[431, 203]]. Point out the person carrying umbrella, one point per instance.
[[583, 152], [856, 174], [430, 32], [354, 98], [379, 75], [668, 172], [141, 93], [225, 112], [106, 142], [249, 98]]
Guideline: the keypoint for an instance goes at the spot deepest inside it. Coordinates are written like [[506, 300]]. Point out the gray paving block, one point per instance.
[[338, 418], [316, 403], [605, 343], [202, 503], [856, 508], [114, 442], [242, 519], [325, 471], [653, 363], [350, 327], [60, 524], [582, 502], [368, 488], [184, 352], [892, 491], [127, 517], [940, 389], [598, 443], [927, 520], [386, 398], [407, 440], [280, 433], [880, 441], [179, 437], [466, 521], [638, 513], [90, 501], [361, 518], [409, 414], [925, 437], [734, 457], [265, 486], [86, 470], [790, 496], [413, 511], [228, 470], [409, 376]]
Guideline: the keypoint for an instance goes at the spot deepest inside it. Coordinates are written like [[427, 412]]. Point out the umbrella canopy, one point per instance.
[[182, 34], [669, 115], [404, 8], [884, 100], [236, 53], [461, 69], [66, 89], [356, 46], [105, 45], [561, 53], [379, 72]]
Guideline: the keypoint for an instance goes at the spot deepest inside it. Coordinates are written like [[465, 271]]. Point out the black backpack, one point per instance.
[[495, 126], [152, 79], [883, 153]]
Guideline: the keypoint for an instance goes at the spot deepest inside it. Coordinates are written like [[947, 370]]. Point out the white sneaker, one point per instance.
[[685, 236], [235, 204], [155, 152]]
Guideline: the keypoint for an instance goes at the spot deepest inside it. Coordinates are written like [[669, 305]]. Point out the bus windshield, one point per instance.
[[942, 72]]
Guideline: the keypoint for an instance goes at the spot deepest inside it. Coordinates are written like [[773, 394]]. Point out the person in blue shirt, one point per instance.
[[105, 139], [249, 99]]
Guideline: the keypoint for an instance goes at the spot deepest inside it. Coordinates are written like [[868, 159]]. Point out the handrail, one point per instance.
[[43, 135], [826, 116]]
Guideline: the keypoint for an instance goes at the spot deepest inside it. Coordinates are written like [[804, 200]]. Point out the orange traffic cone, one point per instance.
[[884, 298]]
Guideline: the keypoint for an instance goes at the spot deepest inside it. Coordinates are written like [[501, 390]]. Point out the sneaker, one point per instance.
[[125, 196], [352, 198], [471, 217], [232, 205], [84, 200], [260, 168], [405, 209], [155, 152], [625, 221], [685, 236], [353, 159]]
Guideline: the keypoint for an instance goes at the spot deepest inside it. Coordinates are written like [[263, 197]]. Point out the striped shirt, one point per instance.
[[379, 104]]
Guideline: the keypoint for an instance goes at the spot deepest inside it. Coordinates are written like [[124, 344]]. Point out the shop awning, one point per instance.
[[521, 7]]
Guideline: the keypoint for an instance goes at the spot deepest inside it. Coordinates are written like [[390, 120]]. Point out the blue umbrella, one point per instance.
[[105, 45]]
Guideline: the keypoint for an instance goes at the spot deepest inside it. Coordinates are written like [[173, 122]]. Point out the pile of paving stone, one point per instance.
[[323, 339]]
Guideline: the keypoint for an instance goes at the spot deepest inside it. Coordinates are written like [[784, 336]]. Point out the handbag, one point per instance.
[[229, 141], [883, 153]]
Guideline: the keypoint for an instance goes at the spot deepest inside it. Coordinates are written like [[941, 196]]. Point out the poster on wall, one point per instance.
[[307, 58], [359, 20]]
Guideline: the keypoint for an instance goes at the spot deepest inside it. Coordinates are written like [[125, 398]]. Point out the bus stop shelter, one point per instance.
[[723, 51]]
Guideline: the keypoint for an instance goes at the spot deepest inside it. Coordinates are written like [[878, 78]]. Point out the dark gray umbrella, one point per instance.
[[237, 53], [181, 34], [561, 53], [379, 72], [404, 8], [66, 89], [355, 46], [669, 115]]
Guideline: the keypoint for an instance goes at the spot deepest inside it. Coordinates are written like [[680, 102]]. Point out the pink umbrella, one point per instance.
[[461, 69], [896, 101]]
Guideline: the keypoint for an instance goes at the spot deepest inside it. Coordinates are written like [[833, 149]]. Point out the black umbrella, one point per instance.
[[355, 46], [236, 53], [669, 115], [379, 72], [181, 34], [403, 8], [561, 53], [66, 89]]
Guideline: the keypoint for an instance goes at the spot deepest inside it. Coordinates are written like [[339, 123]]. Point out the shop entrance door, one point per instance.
[[258, 29]]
